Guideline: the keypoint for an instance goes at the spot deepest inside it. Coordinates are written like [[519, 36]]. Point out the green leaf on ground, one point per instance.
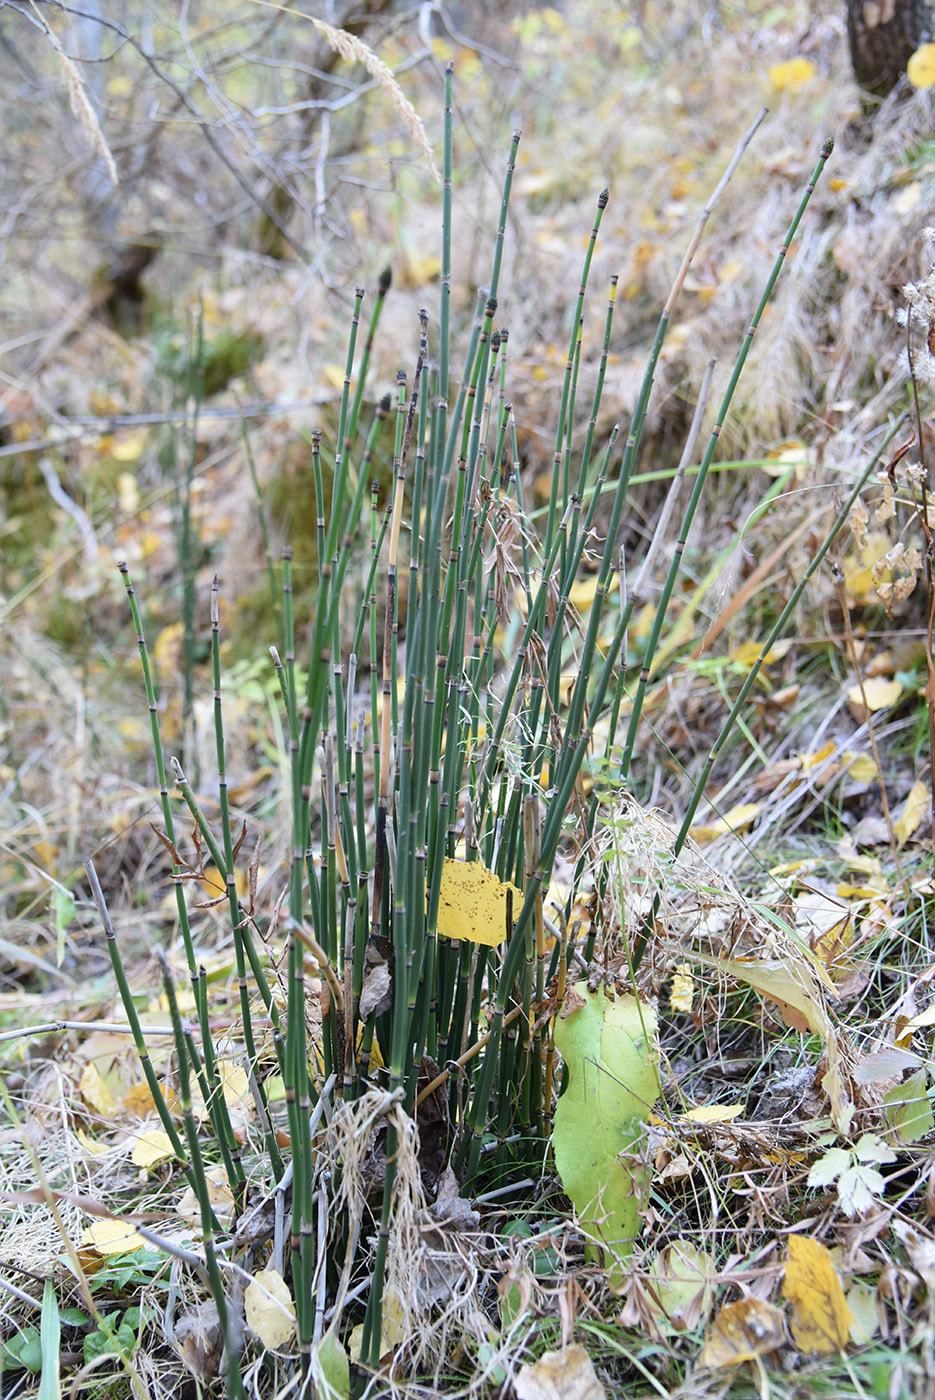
[[609, 1049]]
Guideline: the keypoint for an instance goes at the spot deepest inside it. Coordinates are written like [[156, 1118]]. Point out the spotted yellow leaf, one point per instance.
[[472, 906], [821, 1319], [743, 1331]]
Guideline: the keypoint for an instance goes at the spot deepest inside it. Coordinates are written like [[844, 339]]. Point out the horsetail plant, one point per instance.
[[430, 735]]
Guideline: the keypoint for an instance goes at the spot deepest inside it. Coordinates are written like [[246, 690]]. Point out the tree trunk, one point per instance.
[[883, 35]]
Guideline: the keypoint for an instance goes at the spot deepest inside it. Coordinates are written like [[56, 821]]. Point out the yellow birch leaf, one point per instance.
[[234, 1082], [878, 691], [220, 1197], [90, 1144], [168, 645], [128, 493], [914, 809], [920, 70], [138, 1100], [683, 989], [393, 1333], [45, 854], [108, 1237], [128, 447], [582, 592], [821, 1319], [94, 1091], [790, 76], [714, 1113], [472, 905], [862, 1301], [919, 1022], [734, 820], [743, 1331], [151, 1147], [744, 656], [812, 760], [862, 767], [269, 1309]]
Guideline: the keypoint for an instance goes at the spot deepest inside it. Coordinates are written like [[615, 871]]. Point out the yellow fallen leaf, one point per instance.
[[683, 989], [744, 656], [168, 646], [812, 760], [821, 1319], [46, 854], [916, 805], [742, 1332], [269, 1309], [862, 767], [472, 905], [582, 592], [334, 374], [920, 70], [94, 1091], [714, 1113], [220, 1198], [393, 1332], [734, 820], [138, 1100], [128, 493], [151, 1147], [107, 1237], [919, 1022], [90, 1144], [790, 76], [128, 447], [877, 693], [908, 198], [862, 1301]]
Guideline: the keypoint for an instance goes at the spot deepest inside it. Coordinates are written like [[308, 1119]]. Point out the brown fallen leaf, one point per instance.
[[560, 1375], [200, 1341], [743, 1331], [821, 1319]]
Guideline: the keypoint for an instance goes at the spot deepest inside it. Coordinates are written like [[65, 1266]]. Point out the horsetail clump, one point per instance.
[[466, 746]]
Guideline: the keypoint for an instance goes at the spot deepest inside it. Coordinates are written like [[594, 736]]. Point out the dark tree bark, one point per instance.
[[883, 35]]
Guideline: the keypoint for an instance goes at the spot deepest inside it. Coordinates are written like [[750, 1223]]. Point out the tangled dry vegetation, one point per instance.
[[786, 1245]]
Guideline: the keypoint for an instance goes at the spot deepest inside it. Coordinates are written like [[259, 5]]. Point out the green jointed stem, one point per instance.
[[136, 1030]]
